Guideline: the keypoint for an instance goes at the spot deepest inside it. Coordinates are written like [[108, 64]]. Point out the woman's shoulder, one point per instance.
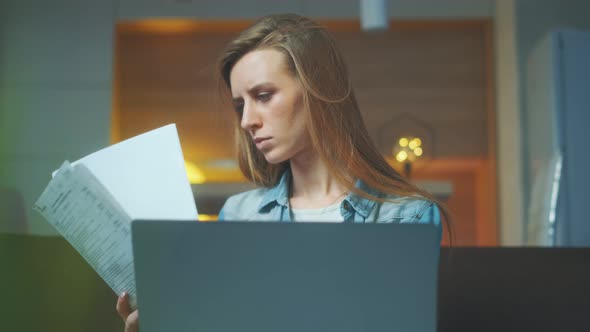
[[408, 209], [392, 207], [243, 205], [406, 206]]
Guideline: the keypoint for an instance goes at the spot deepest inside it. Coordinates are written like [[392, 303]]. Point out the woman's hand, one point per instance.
[[130, 318]]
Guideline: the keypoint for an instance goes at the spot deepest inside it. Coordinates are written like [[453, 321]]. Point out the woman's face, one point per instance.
[[269, 100]]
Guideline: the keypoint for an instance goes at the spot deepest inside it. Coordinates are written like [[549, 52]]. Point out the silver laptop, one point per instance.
[[285, 277]]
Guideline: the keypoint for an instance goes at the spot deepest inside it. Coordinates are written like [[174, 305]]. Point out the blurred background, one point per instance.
[[481, 102]]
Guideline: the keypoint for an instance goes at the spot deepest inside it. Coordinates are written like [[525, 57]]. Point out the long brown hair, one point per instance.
[[334, 121]]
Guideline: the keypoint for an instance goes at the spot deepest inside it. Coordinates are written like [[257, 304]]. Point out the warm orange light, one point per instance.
[[208, 217], [195, 175], [403, 142], [174, 26], [401, 156]]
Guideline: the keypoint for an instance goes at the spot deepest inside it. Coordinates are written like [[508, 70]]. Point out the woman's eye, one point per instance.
[[239, 108], [264, 96]]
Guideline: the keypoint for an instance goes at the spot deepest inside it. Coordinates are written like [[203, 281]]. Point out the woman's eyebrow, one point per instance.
[[260, 86], [254, 89]]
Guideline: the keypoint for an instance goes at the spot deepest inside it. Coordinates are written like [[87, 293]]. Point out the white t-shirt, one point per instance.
[[327, 214]]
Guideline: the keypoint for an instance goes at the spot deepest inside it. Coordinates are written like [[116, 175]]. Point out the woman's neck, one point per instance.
[[313, 185]]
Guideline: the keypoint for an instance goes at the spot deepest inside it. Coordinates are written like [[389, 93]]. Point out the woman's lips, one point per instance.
[[261, 142]]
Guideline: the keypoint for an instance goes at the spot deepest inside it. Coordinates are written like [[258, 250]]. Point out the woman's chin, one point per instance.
[[273, 158]]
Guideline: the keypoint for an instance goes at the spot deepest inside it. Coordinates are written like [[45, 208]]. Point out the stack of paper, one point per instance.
[[92, 201]]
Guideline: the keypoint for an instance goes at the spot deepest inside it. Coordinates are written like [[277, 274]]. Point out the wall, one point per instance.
[[508, 132], [424, 79], [230, 9], [55, 96]]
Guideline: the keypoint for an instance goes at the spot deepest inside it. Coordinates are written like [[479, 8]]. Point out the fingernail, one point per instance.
[[122, 295]]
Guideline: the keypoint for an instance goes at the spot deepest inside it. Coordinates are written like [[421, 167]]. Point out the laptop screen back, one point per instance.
[[288, 277]]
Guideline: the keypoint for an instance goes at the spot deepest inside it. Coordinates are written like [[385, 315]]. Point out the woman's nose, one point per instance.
[[250, 117]]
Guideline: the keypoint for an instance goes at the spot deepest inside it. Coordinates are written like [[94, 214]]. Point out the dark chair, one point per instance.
[[514, 289], [46, 286]]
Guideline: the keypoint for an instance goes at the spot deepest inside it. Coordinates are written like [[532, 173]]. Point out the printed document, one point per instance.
[[91, 202]]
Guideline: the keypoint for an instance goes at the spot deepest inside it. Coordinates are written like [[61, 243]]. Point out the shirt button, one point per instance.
[[346, 206]]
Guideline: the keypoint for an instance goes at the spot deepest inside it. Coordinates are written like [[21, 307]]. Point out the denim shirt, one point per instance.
[[272, 204]]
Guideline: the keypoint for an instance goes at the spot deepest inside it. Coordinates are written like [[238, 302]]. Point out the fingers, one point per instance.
[[130, 318], [123, 306], [132, 322]]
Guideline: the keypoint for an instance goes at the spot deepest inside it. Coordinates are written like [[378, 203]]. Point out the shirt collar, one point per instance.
[[279, 194], [360, 204]]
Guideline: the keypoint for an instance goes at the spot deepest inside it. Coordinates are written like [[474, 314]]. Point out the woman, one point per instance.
[[301, 137]]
